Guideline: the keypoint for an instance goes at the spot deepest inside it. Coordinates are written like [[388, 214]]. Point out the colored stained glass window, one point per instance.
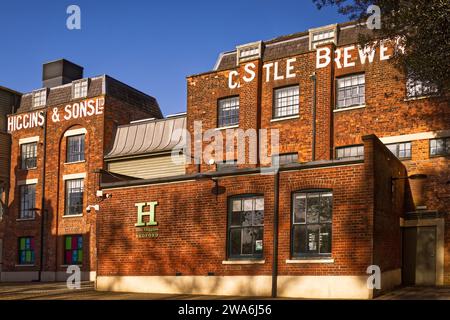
[[73, 250], [26, 251]]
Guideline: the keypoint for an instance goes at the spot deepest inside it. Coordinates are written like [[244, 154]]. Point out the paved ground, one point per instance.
[[59, 291]]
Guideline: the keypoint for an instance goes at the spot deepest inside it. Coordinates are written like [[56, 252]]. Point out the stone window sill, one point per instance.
[[239, 262], [25, 265], [349, 108], [76, 162], [285, 118], [72, 216], [24, 220], [227, 127]]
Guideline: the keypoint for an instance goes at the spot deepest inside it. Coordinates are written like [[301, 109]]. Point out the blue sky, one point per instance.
[[149, 45]]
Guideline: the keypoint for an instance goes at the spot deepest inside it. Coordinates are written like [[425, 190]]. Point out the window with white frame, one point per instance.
[[75, 148], [351, 91], [28, 155], [350, 152], [74, 197], [401, 150], [286, 102], [249, 51], [228, 112], [80, 88], [322, 35], [417, 88], [40, 98]]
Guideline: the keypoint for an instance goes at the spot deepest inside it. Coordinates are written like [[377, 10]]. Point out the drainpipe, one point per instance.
[[43, 210], [313, 154], [275, 234]]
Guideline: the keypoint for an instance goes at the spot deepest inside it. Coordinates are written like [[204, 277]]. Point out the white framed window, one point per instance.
[[417, 88], [249, 51], [286, 102], [350, 152], [80, 88], [228, 112], [351, 91], [322, 35], [40, 98], [400, 150]]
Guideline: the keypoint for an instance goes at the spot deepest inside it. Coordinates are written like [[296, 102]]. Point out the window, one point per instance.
[[249, 51], [27, 201], [26, 251], [73, 250], [80, 89], [228, 113], [286, 102], [440, 147], [352, 152], [74, 196], [227, 165], [401, 150], [417, 88], [286, 158], [40, 98], [311, 223], [351, 91], [322, 37], [28, 155], [246, 227], [75, 148]]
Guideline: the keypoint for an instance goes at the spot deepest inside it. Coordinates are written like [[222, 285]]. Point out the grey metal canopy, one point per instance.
[[147, 137]]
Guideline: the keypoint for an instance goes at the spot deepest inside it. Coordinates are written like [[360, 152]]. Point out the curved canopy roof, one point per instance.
[[147, 137]]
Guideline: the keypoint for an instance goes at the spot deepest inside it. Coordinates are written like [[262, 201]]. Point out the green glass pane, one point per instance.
[[28, 257], [22, 244], [80, 256], [68, 243]]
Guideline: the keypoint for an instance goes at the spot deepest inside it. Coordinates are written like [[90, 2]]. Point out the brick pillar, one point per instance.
[[324, 108]]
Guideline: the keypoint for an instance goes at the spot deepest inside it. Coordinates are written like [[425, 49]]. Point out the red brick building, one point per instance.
[[362, 182], [59, 134]]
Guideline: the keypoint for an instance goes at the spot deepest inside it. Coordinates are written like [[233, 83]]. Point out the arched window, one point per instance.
[[311, 226]]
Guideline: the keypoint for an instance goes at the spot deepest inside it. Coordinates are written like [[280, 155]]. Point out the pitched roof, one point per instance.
[[148, 137]]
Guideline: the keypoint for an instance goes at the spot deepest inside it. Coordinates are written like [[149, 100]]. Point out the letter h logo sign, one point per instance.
[[141, 214]]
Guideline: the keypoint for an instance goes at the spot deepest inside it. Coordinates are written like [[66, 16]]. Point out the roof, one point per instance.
[[293, 44], [14, 92], [148, 137], [100, 85]]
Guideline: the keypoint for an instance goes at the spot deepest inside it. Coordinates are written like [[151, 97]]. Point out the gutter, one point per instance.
[[313, 153]]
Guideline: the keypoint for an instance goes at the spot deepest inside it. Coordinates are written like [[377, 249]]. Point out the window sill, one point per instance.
[[349, 108], [285, 118], [75, 162], [25, 265], [239, 262], [68, 216], [29, 169], [419, 98], [306, 261], [68, 265], [24, 220], [228, 127]]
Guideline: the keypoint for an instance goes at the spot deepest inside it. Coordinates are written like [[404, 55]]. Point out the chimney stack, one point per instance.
[[60, 72]]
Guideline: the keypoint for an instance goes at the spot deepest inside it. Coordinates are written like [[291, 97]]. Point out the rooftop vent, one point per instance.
[[60, 72]]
